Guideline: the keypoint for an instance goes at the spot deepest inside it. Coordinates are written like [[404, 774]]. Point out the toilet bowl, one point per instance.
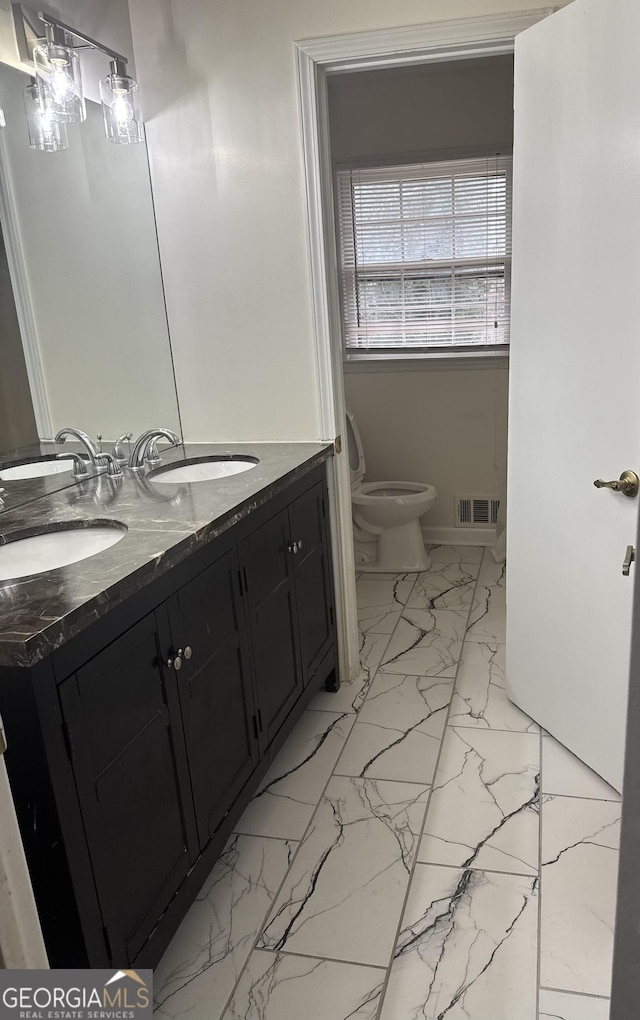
[[386, 516]]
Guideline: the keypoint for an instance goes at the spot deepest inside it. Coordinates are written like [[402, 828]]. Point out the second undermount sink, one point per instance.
[[25, 553], [35, 469], [202, 469]]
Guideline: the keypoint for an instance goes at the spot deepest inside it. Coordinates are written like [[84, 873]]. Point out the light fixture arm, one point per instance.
[[56, 24]]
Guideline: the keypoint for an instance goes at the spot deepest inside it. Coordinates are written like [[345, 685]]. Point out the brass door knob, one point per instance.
[[627, 484]]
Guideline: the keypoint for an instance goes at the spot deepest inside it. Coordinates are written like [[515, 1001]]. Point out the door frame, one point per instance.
[[316, 59]]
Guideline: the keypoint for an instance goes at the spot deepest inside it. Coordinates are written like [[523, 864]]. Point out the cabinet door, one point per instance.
[[132, 780], [270, 597], [215, 691], [312, 572]]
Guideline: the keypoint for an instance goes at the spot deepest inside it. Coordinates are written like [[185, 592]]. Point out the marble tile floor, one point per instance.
[[419, 849]]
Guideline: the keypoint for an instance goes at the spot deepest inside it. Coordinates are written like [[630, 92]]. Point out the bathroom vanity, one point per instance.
[[146, 690]]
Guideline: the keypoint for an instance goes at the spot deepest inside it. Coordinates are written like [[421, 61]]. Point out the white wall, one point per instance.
[[223, 124], [17, 422]]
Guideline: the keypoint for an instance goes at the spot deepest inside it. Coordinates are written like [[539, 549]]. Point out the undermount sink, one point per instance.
[[25, 553], [202, 469], [36, 469]]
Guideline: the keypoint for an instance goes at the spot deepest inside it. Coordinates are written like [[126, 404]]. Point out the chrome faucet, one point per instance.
[[86, 441], [144, 448]]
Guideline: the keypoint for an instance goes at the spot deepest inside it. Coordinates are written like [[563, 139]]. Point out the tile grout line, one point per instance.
[[385, 984], [493, 729], [576, 796], [488, 871], [328, 959], [254, 946], [571, 991]]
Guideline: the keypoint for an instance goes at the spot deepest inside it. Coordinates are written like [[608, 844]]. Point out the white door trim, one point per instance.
[[22, 296], [315, 60]]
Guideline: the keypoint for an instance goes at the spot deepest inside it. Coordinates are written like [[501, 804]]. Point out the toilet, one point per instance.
[[386, 516]]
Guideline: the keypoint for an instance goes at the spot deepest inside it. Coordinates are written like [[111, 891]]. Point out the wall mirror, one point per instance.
[[84, 339]]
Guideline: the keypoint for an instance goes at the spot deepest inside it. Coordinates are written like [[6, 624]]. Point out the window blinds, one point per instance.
[[425, 253]]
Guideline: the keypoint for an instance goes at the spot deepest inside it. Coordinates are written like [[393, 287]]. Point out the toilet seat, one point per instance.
[[404, 493]]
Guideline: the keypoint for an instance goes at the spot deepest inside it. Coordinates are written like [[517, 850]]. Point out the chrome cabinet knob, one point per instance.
[[293, 548], [176, 661], [299, 546]]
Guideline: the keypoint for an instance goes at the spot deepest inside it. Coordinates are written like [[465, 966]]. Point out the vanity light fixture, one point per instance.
[[45, 133], [58, 77], [120, 107]]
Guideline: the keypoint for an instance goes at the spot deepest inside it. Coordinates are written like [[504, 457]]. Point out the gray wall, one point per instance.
[[17, 423], [445, 426], [428, 108]]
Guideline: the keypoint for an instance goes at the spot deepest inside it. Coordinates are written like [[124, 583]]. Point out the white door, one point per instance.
[[575, 362]]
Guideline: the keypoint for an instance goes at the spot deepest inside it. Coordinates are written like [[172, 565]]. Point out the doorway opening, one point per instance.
[[421, 162]]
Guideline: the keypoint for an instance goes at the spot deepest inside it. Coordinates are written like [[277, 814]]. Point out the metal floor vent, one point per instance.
[[476, 511]]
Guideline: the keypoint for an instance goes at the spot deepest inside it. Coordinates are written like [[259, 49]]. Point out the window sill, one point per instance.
[[441, 361]]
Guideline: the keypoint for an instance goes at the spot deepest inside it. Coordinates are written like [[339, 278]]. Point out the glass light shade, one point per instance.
[[59, 80], [45, 133], [121, 110]]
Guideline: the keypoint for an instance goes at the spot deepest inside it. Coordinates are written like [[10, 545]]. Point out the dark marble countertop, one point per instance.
[[165, 524]]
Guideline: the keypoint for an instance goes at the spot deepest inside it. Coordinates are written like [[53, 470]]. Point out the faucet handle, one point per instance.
[[118, 449], [110, 462], [152, 457], [79, 466]]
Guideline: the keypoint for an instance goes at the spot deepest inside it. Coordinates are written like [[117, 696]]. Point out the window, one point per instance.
[[425, 255]]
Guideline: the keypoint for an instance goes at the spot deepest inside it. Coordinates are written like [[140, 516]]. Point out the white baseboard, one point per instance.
[[458, 536]]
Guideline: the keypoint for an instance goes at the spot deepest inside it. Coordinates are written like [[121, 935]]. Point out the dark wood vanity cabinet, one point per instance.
[[120, 712], [267, 573], [215, 690], [312, 574], [148, 732], [287, 577]]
